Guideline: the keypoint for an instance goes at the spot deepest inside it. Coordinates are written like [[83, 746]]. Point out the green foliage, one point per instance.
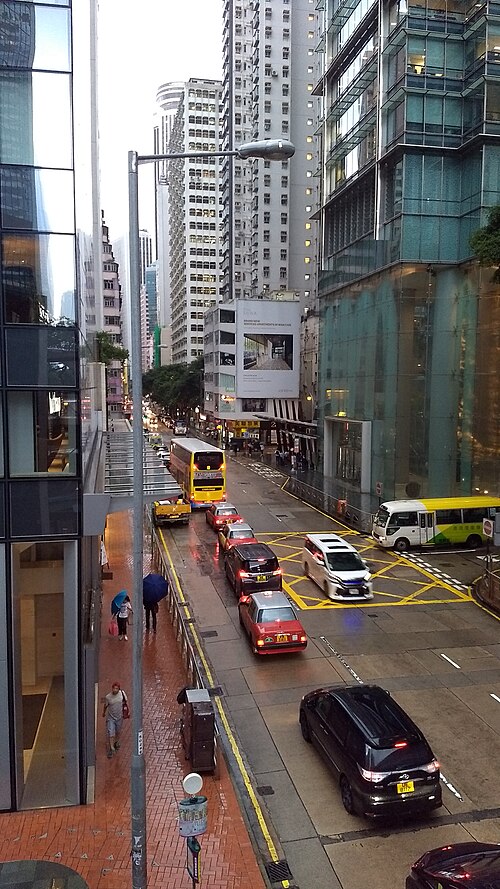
[[175, 387], [485, 242], [108, 350]]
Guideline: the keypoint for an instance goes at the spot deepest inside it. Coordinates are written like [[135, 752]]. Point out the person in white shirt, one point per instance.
[[123, 616]]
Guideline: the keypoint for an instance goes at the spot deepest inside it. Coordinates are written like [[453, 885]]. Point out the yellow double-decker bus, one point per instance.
[[400, 524], [200, 470]]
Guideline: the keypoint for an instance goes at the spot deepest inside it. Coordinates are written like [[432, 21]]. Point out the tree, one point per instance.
[[485, 242], [175, 387], [108, 351]]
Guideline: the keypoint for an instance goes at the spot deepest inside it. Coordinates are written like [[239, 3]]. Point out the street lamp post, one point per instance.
[[270, 149]]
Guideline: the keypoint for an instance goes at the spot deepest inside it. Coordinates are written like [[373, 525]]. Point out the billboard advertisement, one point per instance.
[[268, 343]]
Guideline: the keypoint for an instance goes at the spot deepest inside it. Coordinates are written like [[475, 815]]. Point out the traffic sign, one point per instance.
[[488, 528]]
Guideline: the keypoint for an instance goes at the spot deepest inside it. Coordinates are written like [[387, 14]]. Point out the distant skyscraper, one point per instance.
[[195, 210]]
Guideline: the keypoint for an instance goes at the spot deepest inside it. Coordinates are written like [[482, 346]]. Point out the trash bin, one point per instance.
[[198, 730]]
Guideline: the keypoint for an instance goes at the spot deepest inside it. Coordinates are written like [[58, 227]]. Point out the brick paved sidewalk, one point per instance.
[[94, 840]]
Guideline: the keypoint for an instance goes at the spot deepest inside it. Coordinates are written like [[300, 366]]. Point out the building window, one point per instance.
[[283, 272], [283, 254], [284, 219]]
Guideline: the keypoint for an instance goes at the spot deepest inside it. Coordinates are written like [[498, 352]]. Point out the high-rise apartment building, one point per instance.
[[167, 101], [195, 210], [409, 391], [269, 71], [112, 322]]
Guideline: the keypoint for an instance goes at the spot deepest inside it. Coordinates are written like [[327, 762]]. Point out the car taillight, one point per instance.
[[278, 571], [373, 777], [401, 744], [303, 638], [431, 767], [243, 574]]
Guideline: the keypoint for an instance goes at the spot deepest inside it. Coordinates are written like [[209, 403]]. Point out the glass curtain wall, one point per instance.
[[40, 492]]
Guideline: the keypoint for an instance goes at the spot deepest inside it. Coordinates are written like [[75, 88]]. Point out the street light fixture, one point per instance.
[[269, 149]]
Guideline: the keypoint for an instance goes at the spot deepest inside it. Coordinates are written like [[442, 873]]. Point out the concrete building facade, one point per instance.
[[195, 209]]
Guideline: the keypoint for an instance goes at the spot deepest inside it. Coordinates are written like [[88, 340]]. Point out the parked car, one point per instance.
[[382, 761], [164, 455], [251, 567], [474, 865], [233, 533], [336, 566], [271, 623], [221, 513]]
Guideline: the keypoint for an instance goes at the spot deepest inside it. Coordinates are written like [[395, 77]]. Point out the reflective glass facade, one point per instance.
[[46, 223], [411, 164]]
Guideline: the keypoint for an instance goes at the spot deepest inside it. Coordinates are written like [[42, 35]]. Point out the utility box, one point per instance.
[[198, 729]]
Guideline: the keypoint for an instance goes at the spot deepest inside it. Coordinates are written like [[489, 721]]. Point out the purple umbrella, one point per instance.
[[154, 588]]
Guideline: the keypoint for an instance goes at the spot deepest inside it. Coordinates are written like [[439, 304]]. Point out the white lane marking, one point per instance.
[[344, 663], [495, 697], [450, 787], [450, 661]]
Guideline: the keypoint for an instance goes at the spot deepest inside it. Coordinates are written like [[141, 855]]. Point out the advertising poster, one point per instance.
[[268, 337]]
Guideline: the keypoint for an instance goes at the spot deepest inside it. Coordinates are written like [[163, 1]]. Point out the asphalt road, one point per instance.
[[422, 637]]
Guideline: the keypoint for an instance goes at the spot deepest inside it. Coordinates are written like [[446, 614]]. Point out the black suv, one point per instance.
[[383, 762], [252, 567], [475, 865]]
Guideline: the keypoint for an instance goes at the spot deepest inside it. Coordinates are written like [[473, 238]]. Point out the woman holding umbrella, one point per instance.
[[121, 607]]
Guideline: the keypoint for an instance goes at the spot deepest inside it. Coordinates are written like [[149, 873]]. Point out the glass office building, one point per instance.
[[48, 407], [410, 134]]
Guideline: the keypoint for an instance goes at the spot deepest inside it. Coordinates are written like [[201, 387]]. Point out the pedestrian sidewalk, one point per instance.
[[95, 840]]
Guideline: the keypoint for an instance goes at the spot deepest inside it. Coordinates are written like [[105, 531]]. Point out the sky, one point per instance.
[[141, 46]]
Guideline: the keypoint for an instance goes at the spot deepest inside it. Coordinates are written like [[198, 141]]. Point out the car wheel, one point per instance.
[[402, 545], [306, 569], [474, 541], [326, 590], [346, 793], [304, 727], [237, 589]]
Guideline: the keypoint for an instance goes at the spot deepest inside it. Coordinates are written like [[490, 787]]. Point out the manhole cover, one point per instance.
[[278, 870]]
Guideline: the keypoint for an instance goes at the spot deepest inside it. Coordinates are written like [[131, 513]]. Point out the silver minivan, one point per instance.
[[336, 567]]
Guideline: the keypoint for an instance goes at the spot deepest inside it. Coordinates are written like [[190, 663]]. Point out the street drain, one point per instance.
[[207, 634], [266, 790], [278, 871]]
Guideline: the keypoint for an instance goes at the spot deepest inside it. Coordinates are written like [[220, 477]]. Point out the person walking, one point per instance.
[[151, 610], [123, 616], [113, 712]]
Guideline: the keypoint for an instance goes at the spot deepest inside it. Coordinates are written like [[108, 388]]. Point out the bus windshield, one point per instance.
[[381, 516]]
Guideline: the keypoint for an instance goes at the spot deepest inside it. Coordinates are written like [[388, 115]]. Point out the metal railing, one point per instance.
[[487, 589]]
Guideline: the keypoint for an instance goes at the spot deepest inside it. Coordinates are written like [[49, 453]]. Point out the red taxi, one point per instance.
[[236, 532], [220, 514], [271, 623]]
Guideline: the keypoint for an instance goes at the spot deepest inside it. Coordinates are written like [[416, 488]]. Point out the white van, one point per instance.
[[336, 567]]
